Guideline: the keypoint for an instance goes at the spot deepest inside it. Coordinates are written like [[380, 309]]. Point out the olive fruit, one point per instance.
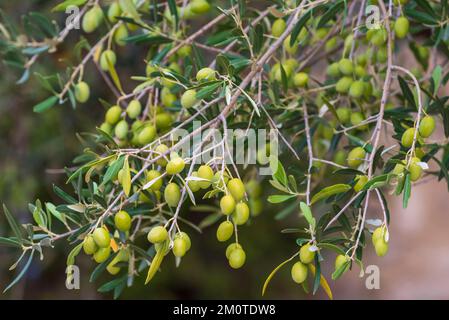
[[356, 157], [415, 169], [398, 169], [194, 184], [121, 129], [253, 188], [172, 194], [340, 157], [89, 245], [241, 213], [152, 175], [237, 258], [113, 115], [106, 127], [157, 234], [426, 126], [206, 74], [175, 165], [356, 119], [188, 99], [106, 58], [381, 248], [168, 99], [330, 44], [236, 188], [407, 137], [301, 79], [122, 221], [360, 182], [225, 231], [290, 48], [164, 121], [378, 234], [101, 237], [205, 172], [82, 92], [92, 19], [146, 135], [186, 238], [357, 88], [199, 6], [184, 51], [401, 27], [379, 37], [305, 255], [278, 27], [345, 66], [231, 248], [227, 204], [343, 85], [122, 256], [340, 260], [120, 35], [299, 272], [179, 247], [333, 70], [344, 114], [160, 150], [256, 207], [102, 254], [114, 11], [134, 108]]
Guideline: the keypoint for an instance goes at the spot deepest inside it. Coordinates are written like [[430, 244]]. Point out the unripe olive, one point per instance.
[[236, 188], [151, 175], [184, 51], [349, 40], [188, 13], [113, 115], [299, 272], [120, 35], [106, 127], [343, 85], [368, 90], [333, 70], [398, 169], [175, 165], [381, 248], [205, 172], [206, 74], [345, 66], [82, 92], [237, 258], [89, 245], [379, 234], [359, 71], [341, 260], [168, 99], [188, 99], [134, 108], [194, 184], [362, 59], [356, 157], [330, 44], [102, 254], [356, 89], [344, 114], [199, 6], [121, 129], [227, 204], [241, 213], [415, 169], [147, 135], [164, 121], [356, 119], [340, 157], [401, 27], [256, 207], [122, 221], [231, 248], [114, 11], [122, 256], [157, 234], [426, 126], [179, 247], [305, 255], [101, 237], [160, 150], [381, 55], [107, 57], [92, 19], [150, 69], [423, 52], [361, 181], [290, 48], [219, 180], [253, 188], [278, 27], [174, 66], [407, 137], [186, 238], [379, 37], [225, 231], [172, 194], [301, 79]]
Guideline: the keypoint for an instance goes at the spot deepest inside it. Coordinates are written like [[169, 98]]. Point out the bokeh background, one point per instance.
[[34, 147]]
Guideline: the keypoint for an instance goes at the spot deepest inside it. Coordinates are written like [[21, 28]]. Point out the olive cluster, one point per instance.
[[299, 270]]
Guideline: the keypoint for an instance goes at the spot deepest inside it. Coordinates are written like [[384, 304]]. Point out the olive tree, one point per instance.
[[349, 121]]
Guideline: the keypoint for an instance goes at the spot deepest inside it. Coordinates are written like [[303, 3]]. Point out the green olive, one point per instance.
[[227, 204], [82, 92], [194, 184], [150, 68], [184, 51], [152, 175], [121, 129], [146, 135], [356, 119], [101, 237], [120, 35], [122, 256], [160, 150], [175, 166], [290, 48], [299, 272], [379, 37], [113, 115], [219, 180], [382, 55], [92, 19], [305, 255], [253, 188], [415, 169], [231, 248], [346, 66], [186, 238], [343, 85], [172, 194], [278, 27], [360, 182], [333, 70], [114, 11], [106, 127], [157, 235], [205, 172], [225, 231], [188, 99], [236, 188], [340, 157], [168, 100], [102, 254], [206, 74], [398, 169], [330, 44], [381, 248], [356, 157], [379, 234], [357, 88], [340, 260], [256, 207], [344, 114], [200, 6], [134, 108], [407, 137], [164, 121], [237, 258], [426, 126], [241, 214], [122, 221], [89, 245], [179, 247], [106, 58], [301, 79], [401, 27]]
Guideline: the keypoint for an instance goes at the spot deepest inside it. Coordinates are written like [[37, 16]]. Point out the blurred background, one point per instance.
[[34, 147]]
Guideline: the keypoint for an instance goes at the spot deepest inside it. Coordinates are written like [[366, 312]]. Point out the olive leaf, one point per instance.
[[330, 191], [157, 260], [126, 178]]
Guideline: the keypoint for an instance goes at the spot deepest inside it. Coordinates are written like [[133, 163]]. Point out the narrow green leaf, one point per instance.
[[46, 104], [330, 191]]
